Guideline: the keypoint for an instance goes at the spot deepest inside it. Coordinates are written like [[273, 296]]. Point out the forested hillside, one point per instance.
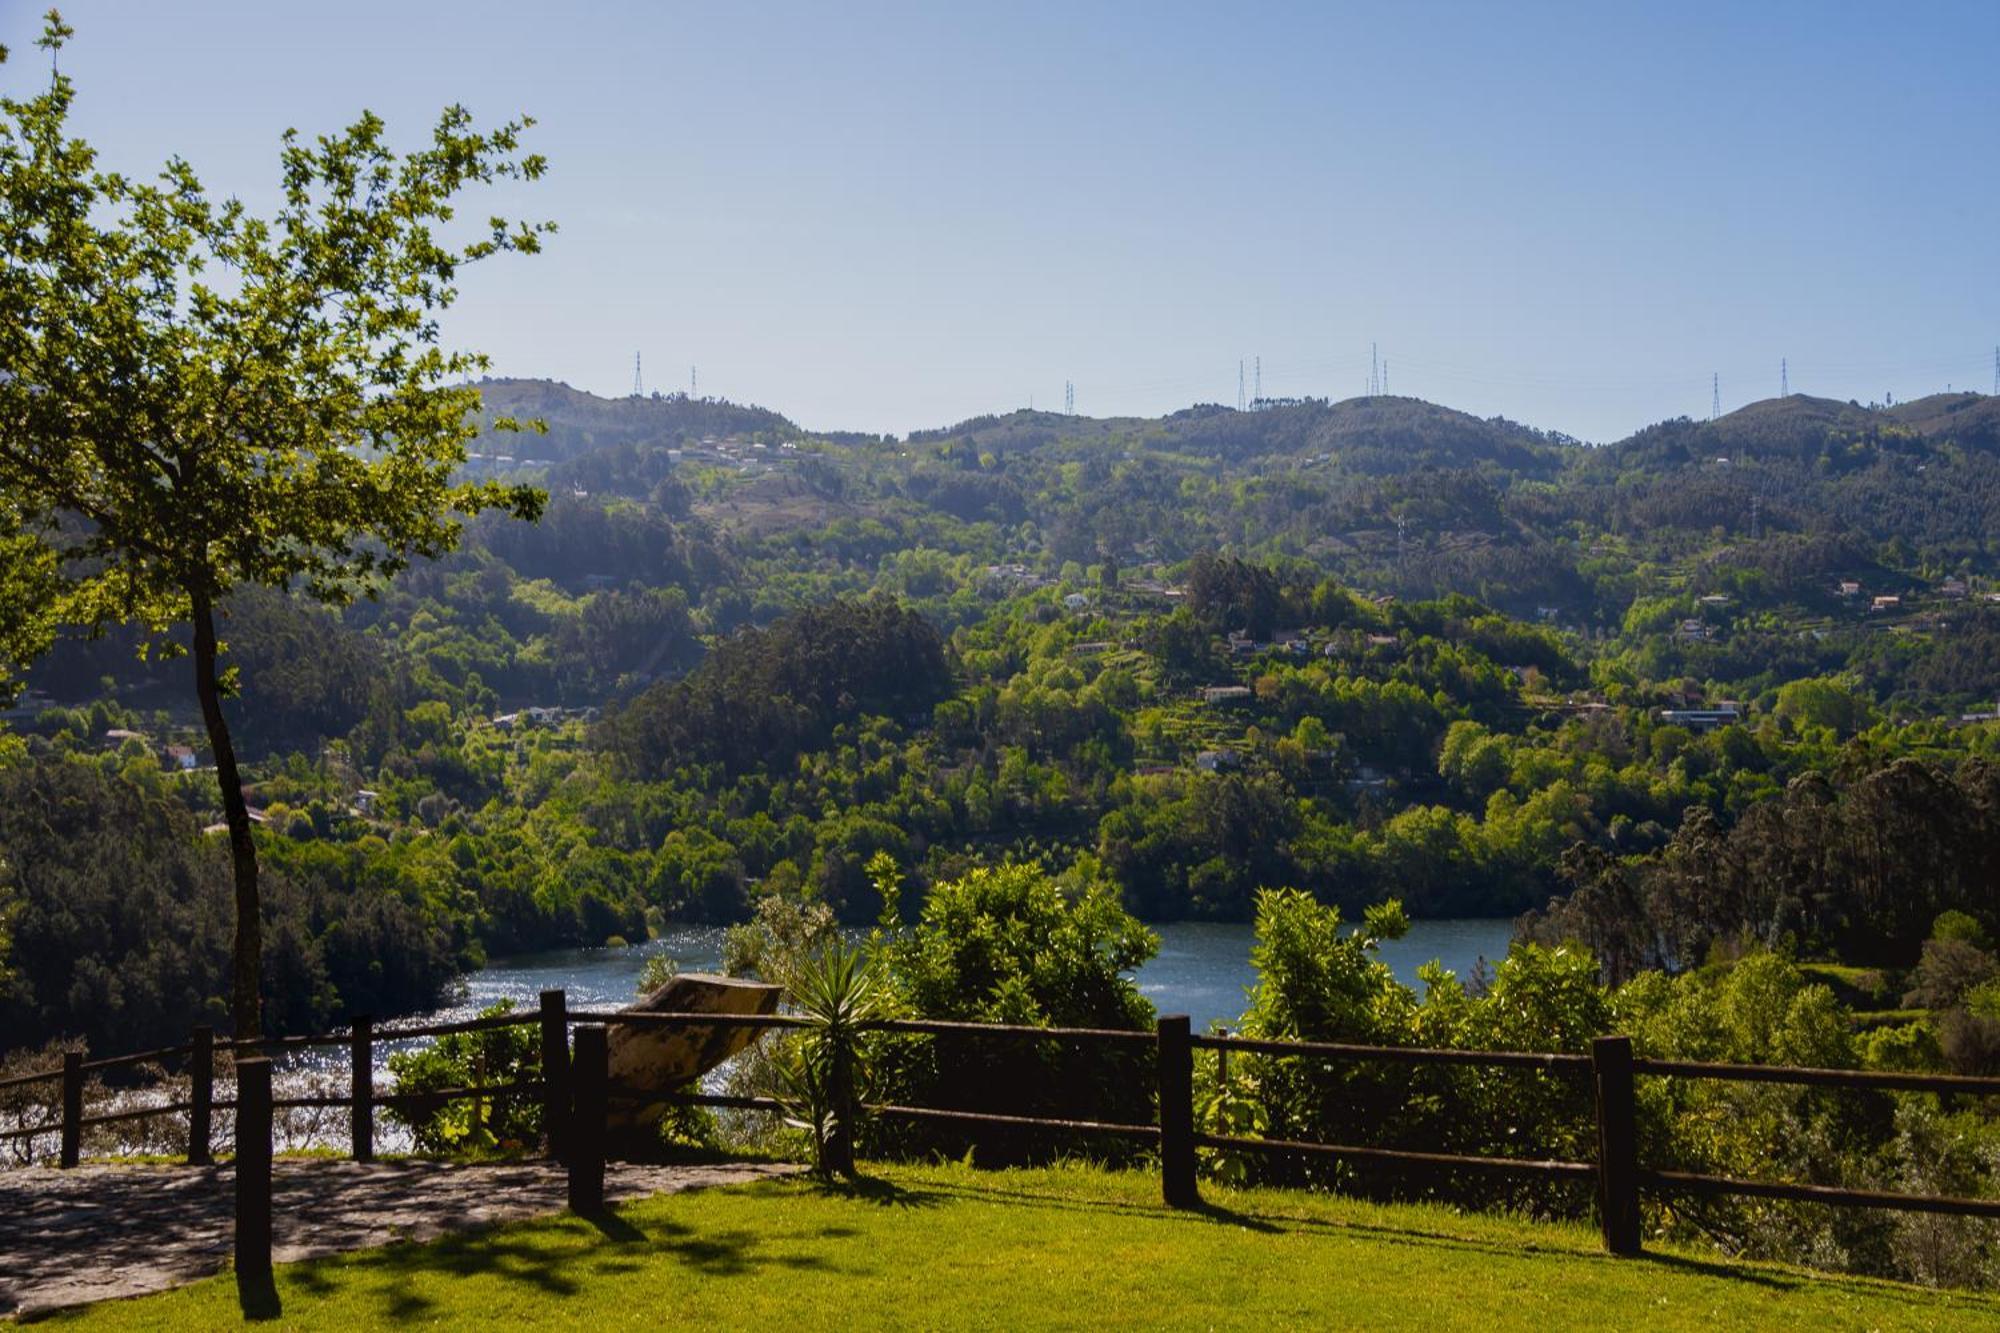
[[1369, 649]]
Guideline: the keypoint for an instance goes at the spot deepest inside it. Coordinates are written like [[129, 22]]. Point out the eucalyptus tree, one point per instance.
[[194, 397]]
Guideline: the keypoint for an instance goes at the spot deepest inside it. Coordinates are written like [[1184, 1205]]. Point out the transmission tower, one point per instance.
[[694, 384], [1240, 404], [1258, 397], [1374, 371], [1714, 395], [1784, 379], [1069, 399], [1385, 375], [638, 382], [1996, 371]]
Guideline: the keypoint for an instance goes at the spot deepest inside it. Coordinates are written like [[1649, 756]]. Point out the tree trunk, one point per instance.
[[247, 958]]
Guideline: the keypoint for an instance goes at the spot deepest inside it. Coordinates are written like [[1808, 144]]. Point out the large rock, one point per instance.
[[658, 1059]]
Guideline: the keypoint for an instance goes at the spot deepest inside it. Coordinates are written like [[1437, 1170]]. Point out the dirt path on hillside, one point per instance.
[[101, 1232]]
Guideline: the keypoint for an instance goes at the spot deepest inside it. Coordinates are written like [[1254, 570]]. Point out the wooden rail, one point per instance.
[[576, 1093]]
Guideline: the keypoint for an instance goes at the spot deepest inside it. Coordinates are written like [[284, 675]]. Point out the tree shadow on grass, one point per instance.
[[402, 1275]]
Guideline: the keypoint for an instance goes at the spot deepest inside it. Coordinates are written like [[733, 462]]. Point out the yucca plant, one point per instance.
[[838, 989]]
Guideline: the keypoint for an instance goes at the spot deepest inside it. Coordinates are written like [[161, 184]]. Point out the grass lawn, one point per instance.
[[948, 1247]]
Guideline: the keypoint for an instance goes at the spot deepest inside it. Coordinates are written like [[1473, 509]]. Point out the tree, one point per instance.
[[197, 398]]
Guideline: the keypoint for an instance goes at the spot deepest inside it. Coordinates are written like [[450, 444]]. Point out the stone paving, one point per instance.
[[100, 1232]]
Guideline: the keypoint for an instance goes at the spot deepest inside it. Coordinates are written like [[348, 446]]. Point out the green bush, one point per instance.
[[497, 1056]]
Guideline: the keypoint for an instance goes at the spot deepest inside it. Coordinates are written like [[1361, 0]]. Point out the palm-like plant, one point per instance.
[[838, 989]]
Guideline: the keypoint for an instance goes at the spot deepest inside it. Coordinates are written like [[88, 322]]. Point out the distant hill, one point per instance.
[[580, 422], [1803, 428], [1378, 436]]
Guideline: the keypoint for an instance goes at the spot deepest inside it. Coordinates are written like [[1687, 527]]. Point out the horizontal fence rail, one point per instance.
[[1865, 1079], [1546, 1061], [1503, 1165], [576, 1094]]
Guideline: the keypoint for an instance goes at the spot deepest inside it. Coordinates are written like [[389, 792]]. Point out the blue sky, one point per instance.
[[889, 217]]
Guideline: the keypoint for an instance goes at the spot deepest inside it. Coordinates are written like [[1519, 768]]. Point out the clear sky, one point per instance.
[[884, 218]]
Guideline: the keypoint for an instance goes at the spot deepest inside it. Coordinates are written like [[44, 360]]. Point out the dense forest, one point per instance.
[[1719, 682]]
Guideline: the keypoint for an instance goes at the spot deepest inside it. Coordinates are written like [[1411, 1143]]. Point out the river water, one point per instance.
[[1202, 969]]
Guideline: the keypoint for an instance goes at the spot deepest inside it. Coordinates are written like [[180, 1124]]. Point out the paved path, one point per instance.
[[98, 1232]]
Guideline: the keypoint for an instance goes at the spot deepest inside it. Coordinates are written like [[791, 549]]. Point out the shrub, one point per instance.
[[472, 1059]]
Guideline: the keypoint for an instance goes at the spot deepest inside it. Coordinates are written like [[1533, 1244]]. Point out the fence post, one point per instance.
[[1617, 1144], [72, 1107], [253, 1169], [201, 1098], [591, 1078], [1176, 1073], [555, 1070], [840, 1086], [361, 1083]]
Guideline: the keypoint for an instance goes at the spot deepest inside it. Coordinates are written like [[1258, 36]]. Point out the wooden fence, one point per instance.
[[576, 1094]]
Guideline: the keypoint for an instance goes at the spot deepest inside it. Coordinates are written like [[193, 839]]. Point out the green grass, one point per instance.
[[948, 1247]]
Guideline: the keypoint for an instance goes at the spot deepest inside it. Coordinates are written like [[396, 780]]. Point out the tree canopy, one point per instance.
[[197, 397]]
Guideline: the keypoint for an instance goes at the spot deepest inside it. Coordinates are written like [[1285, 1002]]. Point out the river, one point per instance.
[[1202, 969]]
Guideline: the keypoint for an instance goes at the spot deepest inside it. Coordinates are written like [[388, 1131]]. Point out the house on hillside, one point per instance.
[[1702, 719], [1849, 588], [1886, 602], [1225, 694], [181, 758], [1218, 761], [1693, 631], [1954, 588]]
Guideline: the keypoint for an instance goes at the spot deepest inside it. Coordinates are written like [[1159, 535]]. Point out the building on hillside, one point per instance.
[[181, 758], [1225, 694], [30, 703], [1218, 761], [1703, 719], [1953, 588], [1366, 777], [1849, 588], [1693, 631], [1886, 602]]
